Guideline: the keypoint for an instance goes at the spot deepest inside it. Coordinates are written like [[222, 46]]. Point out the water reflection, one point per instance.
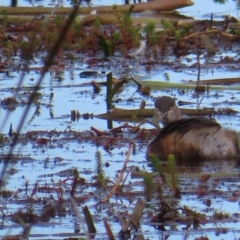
[[211, 166], [220, 1], [14, 3], [226, 166], [198, 10]]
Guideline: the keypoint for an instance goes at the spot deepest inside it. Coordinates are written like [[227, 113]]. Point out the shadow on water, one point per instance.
[[14, 3], [200, 165], [207, 166]]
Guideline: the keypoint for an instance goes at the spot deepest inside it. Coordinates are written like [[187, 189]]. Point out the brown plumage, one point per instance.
[[194, 139], [164, 103]]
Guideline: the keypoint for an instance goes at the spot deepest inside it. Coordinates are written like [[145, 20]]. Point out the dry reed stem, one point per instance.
[[120, 177], [202, 33], [108, 229], [79, 218], [162, 5]]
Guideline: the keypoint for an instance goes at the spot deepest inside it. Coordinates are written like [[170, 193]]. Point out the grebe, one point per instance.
[[191, 138]]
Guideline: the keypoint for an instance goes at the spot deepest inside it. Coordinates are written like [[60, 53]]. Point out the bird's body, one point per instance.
[[193, 139]]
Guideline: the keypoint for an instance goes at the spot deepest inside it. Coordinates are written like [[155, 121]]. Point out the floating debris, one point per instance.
[[88, 74], [9, 103]]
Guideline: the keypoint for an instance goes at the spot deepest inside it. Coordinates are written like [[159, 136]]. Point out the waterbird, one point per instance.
[[191, 139]]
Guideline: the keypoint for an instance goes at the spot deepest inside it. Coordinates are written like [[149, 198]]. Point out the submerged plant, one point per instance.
[[101, 179], [157, 166], [149, 185], [194, 215], [99, 163], [172, 170], [220, 215], [173, 174]]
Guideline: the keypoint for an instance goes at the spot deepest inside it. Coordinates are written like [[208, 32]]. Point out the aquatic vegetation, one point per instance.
[[149, 186], [102, 180], [220, 215], [172, 171], [71, 179]]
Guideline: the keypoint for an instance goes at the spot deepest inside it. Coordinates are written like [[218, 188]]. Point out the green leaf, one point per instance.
[[104, 45], [116, 87]]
